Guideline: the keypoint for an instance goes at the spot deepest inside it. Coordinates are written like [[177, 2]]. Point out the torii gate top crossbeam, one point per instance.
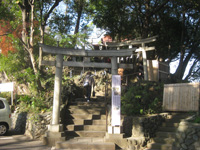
[[131, 42], [86, 53]]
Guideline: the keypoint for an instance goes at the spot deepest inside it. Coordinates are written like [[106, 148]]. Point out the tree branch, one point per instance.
[[191, 69], [50, 11], [4, 34], [22, 7], [158, 8]]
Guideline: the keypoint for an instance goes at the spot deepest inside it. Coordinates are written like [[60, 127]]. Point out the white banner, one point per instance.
[[7, 87], [116, 100]]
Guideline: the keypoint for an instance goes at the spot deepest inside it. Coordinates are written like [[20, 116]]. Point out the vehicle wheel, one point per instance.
[[3, 129]]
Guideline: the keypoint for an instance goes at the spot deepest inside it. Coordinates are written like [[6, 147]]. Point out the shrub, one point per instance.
[[142, 98]]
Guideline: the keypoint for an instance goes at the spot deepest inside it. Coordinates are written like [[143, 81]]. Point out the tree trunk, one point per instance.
[[78, 21], [191, 69], [182, 63], [43, 24], [27, 7], [31, 40]]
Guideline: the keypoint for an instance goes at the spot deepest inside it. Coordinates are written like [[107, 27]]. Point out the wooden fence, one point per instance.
[[181, 97], [157, 71]]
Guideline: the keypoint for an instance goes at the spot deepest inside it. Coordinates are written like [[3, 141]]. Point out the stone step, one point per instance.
[[165, 134], [73, 127], [85, 145], [160, 146], [174, 120], [86, 127], [86, 117], [86, 122], [85, 133], [167, 129], [95, 111], [150, 149], [99, 122], [86, 104], [86, 139], [176, 117], [95, 128], [170, 124], [163, 140]]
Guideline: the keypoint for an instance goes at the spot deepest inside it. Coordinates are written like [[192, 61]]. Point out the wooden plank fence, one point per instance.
[[181, 97], [157, 71]]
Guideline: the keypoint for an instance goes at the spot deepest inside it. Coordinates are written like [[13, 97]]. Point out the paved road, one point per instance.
[[20, 142]]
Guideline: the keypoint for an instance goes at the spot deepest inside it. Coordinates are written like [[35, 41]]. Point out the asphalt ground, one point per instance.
[[20, 142]]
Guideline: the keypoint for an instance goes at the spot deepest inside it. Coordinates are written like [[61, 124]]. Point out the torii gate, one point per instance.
[[55, 127]]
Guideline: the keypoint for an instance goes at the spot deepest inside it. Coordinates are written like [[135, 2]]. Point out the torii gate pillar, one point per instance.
[[114, 68], [55, 130], [57, 90]]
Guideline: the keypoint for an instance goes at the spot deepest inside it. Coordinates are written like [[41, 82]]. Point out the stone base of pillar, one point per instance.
[[54, 134], [118, 139], [55, 127]]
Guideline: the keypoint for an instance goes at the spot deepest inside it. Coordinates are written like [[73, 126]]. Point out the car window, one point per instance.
[[2, 106]]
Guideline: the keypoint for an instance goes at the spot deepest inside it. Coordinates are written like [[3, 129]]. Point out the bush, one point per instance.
[[142, 98], [33, 104]]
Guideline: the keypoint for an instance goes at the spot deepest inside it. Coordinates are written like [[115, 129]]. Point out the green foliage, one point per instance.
[[197, 119], [33, 104], [142, 98], [6, 95], [70, 89]]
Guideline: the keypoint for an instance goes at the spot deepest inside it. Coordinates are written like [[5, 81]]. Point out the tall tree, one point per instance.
[[128, 18], [175, 22], [81, 12], [188, 15], [25, 30]]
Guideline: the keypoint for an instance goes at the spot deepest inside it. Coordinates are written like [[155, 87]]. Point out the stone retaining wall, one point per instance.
[[36, 127], [141, 129], [32, 126], [188, 136], [19, 122]]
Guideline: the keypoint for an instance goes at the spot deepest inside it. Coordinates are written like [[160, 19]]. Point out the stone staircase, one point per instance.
[[86, 127], [166, 135]]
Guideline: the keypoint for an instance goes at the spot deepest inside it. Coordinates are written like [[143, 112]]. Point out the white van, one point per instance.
[[5, 116]]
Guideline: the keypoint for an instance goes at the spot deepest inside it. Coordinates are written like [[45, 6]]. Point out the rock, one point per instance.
[[195, 137], [184, 146], [188, 142]]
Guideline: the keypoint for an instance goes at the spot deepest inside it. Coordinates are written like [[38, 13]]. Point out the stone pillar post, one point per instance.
[[114, 69], [57, 90], [55, 130], [144, 56]]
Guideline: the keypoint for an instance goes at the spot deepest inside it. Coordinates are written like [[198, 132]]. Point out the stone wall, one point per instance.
[[188, 136], [141, 129], [33, 126], [36, 127], [19, 122]]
